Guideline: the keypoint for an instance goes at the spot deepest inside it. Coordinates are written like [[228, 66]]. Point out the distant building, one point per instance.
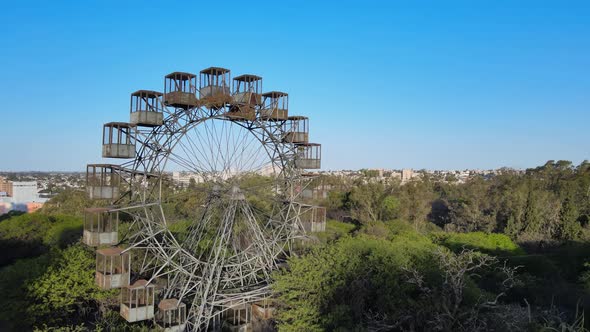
[[24, 192], [396, 175], [184, 178], [19, 196], [267, 170], [407, 175], [5, 186]]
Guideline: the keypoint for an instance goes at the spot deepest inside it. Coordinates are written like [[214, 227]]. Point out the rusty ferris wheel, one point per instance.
[[247, 159]]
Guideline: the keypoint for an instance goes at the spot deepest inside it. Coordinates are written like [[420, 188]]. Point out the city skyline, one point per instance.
[[422, 85]]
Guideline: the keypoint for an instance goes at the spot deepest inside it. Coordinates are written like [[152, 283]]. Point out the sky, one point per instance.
[[392, 84]]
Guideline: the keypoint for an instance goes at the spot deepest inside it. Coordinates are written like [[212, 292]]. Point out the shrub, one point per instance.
[[495, 244], [32, 234], [335, 287]]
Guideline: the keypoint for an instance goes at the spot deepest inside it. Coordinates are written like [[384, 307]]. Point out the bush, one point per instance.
[[70, 202], [335, 230], [335, 287], [368, 282], [13, 299], [494, 244], [66, 291], [30, 235]]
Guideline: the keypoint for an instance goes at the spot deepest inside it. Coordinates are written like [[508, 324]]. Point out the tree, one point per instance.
[[415, 201], [366, 201], [344, 286], [192, 184], [390, 208], [69, 202], [455, 302], [66, 292], [570, 228], [13, 293]]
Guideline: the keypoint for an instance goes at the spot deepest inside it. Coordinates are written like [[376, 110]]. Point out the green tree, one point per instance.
[[13, 292], [339, 286], [69, 202], [570, 228], [66, 292], [390, 208], [366, 201], [416, 200]]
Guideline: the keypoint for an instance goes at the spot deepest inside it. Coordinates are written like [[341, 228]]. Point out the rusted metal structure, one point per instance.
[[275, 106], [138, 301], [224, 136], [112, 268], [180, 90], [297, 130], [309, 156], [103, 181], [313, 218], [264, 309], [118, 140], [100, 227], [171, 315], [246, 97], [214, 87], [146, 108]]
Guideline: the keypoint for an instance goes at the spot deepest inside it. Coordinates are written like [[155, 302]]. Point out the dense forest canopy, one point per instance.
[[507, 252], [542, 205]]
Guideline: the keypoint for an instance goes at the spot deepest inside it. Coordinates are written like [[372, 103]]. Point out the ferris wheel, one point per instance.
[[207, 204]]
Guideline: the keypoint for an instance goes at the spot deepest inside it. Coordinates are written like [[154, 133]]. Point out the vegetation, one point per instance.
[[405, 280], [29, 235], [508, 252], [533, 223], [47, 275]]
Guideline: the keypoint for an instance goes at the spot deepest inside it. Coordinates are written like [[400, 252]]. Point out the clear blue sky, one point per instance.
[[393, 84]]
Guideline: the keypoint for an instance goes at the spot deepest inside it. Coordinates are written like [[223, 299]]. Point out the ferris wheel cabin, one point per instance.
[[171, 315], [180, 90], [137, 301], [238, 318], [309, 156], [263, 309], [118, 140], [313, 219], [214, 84], [112, 268], [296, 130], [275, 106], [103, 181], [100, 227], [246, 96], [146, 108]]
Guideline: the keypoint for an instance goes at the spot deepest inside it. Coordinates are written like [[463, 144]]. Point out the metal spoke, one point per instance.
[[232, 243]]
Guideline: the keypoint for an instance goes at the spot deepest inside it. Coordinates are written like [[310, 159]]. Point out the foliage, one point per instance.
[[66, 289], [364, 282], [539, 208], [53, 289], [29, 235], [366, 201], [69, 202], [496, 244], [426, 255], [335, 286], [585, 276], [13, 299], [335, 230]]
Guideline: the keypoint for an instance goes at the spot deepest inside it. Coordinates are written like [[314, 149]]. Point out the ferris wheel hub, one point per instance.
[[236, 194]]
